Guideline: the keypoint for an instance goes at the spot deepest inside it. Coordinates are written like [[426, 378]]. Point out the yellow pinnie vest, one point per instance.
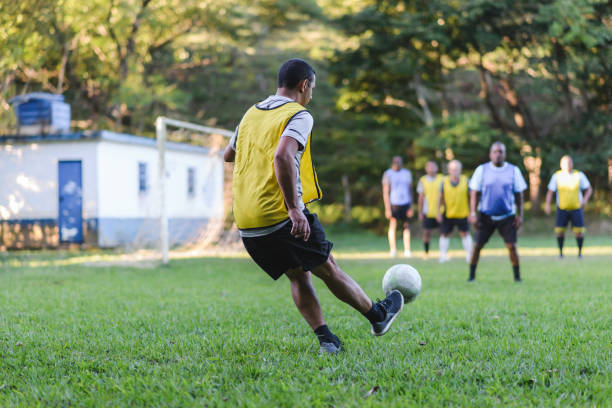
[[258, 200], [432, 194], [568, 189], [456, 198]]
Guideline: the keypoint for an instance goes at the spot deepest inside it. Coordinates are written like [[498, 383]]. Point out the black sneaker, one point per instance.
[[392, 305], [331, 346]]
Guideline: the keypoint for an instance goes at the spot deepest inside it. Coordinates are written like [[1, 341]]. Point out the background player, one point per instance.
[[498, 186], [569, 184], [429, 194], [397, 195], [454, 198]]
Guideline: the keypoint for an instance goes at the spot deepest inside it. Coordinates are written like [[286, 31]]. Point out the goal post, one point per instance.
[[161, 125]]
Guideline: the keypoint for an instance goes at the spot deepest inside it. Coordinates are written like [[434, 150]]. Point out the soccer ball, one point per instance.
[[404, 278]]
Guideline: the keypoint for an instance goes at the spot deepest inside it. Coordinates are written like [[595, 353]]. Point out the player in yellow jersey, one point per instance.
[[429, 193], [573, 192], [454, 195]]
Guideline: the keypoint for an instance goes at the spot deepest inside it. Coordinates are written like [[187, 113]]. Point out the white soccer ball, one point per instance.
[[404, 278]]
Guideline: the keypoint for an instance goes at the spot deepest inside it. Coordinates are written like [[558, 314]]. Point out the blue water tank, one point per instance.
[[42, 109]]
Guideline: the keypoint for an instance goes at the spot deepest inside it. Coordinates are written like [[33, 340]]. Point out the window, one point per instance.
[[142, 177], [190, 181]]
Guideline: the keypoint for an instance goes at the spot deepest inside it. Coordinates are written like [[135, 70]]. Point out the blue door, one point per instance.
[[70, 218]]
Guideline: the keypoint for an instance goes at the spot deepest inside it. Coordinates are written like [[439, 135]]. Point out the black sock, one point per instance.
[[472, 272], [426, 247], [324, 334], [579, 241], [375, 314], [560, 244], [517, 272]]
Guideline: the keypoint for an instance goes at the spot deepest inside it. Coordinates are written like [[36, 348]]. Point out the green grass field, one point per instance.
[[219, 332]]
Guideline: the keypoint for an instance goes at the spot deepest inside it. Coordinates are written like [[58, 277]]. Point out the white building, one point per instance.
[[101, 189]]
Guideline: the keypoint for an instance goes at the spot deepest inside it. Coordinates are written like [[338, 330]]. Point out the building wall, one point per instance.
[[128, 215], [115, 211], [29, 199]]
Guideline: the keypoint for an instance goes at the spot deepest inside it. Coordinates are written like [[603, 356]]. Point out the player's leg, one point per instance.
[[406, 238], [426, 239], [561, 221], [445, 230], [578, 229], [391, 236], [380, 314], [508, 233], [305, 298], [466, 238], [484, 230]]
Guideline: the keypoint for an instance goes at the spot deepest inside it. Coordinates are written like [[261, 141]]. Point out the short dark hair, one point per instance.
[[293, 72]]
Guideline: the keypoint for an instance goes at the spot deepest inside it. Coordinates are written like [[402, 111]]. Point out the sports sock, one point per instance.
[[426, 244], [375, 314], [444, 244], [467, 245], [560, 244], [472, 272], [517, 272], [324, 334], [579, 241]]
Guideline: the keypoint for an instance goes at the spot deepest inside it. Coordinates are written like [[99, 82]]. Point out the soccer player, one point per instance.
[[569, 184], [454, 197], [429, 194], [273, 179], [498, 186], [397, 186]]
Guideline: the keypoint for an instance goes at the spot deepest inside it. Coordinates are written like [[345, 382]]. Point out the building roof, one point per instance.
[[101, 135]]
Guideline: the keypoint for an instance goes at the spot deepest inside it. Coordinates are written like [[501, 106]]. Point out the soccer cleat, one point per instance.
[[392, 305], [443, 260], [407, 254], [331, 346], [392, 254]]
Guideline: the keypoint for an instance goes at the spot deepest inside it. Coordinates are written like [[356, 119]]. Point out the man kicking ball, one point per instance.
[[273, 178]]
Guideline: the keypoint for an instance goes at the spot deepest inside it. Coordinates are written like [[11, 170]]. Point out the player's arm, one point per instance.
[[518, 219], [386, 190], [421, 199], [549, 195], [474, 198], [440, 204], [229, 154], [586, 196], [284, 167]]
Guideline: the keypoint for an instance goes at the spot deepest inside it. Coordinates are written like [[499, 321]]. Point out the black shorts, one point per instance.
[[399, 212], [486, 226], [430, 223], [280, 251], [448, 224], [565, 216]]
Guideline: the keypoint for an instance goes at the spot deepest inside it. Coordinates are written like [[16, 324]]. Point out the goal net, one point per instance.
[[188, 212]]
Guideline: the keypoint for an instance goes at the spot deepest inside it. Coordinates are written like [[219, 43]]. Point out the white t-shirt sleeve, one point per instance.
[[552, 184], [476, 180], [385, 177], [232, 141], [519, 182], [299, 128], [584, 181], [420, 188]]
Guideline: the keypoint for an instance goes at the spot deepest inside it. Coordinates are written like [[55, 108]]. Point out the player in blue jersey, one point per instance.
[[498, 187]]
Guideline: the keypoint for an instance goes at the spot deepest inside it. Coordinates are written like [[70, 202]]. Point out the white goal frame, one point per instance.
[[161, 124]]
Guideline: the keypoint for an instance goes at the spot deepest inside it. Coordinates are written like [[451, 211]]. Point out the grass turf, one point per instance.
[[219, 332]]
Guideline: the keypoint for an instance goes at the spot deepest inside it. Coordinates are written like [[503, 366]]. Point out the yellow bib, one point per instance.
[[568, 189], [432, 194], [258, 200], [456, 198]]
